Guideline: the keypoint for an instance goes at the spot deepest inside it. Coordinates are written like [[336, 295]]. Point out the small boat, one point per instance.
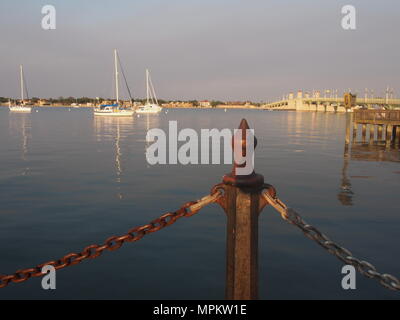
[[115, 110], [21, 107], [112, 110], [151, 105], [149, 108]]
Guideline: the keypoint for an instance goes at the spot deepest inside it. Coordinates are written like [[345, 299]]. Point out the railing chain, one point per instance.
[[311, 232], [113, 243]]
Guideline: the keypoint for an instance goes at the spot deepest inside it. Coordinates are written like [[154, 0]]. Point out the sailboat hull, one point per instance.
[[114, 113], [21, 109], [151, 108]]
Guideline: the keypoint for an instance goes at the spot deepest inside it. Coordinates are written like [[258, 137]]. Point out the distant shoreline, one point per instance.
[[239, 107]]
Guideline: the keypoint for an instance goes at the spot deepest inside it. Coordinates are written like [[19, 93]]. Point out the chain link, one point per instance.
[[311, 232], [113, 243]]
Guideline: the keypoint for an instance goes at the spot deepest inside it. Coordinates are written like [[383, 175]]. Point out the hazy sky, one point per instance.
[[214, 49]]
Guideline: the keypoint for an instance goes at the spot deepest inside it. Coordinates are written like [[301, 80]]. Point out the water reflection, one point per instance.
[[361, 151], [151, 121], [374, 152], [20, 126], [345, 196], [116, 130], [78, 157]]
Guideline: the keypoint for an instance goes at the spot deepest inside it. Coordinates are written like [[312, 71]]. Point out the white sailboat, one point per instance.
[[75, 104], [21, 107], [151, 105], [114, 110]]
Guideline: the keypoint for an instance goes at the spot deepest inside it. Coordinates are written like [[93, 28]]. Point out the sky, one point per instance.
[[227, 50]]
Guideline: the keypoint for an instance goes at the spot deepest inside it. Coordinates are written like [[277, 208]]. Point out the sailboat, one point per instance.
[[114, 110], [151, 105], [75, 104], [21, 107]]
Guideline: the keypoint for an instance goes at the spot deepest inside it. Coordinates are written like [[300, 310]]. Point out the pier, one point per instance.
[[381, 125], [378, 141]]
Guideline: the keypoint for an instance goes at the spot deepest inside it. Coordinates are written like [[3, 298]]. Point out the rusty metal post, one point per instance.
[[242, 203]]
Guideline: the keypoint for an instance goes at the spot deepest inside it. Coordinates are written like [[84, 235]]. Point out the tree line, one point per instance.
[[85, 100]]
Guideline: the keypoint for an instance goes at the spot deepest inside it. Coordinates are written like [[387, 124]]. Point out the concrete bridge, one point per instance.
[[332, 104]]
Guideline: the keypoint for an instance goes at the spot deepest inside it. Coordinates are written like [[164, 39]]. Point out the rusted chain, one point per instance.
[[113, 243], [311, 232]]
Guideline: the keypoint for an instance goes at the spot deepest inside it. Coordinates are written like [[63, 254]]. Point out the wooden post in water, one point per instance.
[[242, 203], [371, 133], [389, 133], [397, 137], [348, 131], [364, 132], [380, 131], [355, 126]]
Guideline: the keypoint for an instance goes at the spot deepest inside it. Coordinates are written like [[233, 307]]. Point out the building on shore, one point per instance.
[[43, 102], [205, 104]]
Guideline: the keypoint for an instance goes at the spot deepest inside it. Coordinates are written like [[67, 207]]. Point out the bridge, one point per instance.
[[306, 102]]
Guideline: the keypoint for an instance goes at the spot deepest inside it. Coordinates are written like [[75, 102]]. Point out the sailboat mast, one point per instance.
[[152, 91], [22, 82], [147, 85], [116, 75]]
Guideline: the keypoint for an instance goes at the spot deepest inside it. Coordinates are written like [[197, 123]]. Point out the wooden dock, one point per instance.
[[383, 125]]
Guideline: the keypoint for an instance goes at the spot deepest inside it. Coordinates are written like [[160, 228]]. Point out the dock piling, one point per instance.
[[355, 127], [389, 133], [364, 132], [380, 132], [371, 133], [397, 137], [386, 121]]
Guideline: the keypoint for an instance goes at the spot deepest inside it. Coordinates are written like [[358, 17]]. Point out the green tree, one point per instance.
[[195, 103], [215, 103]]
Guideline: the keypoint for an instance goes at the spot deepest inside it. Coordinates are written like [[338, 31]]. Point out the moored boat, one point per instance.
[[112, 110], [151, 105], [115, 110], [22, 107]]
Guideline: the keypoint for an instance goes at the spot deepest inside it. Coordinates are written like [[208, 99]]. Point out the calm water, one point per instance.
[[68, 180]]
